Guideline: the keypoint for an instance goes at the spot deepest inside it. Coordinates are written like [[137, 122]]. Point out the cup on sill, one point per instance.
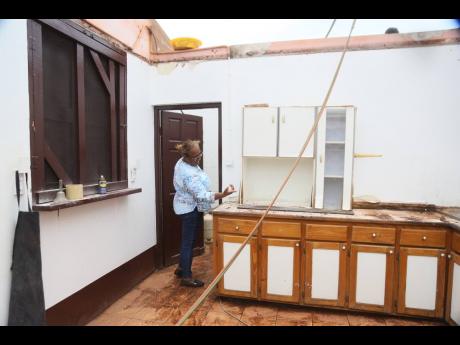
[[74, 191]]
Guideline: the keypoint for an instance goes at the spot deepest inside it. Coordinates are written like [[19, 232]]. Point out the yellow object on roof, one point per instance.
[[182, 43]]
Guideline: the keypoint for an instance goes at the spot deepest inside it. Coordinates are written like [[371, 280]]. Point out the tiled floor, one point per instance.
[[160, 300]]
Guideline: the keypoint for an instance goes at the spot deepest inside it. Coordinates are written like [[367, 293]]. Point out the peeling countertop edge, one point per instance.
[[448, 221]]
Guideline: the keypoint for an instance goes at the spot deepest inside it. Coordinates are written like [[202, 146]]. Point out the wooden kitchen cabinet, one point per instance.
[[325, 273], [371, 277], [421, 281], [280, 269], [453, 290], [241, 278]]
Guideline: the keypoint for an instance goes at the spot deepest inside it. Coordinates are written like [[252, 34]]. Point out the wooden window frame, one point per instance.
[[40, 151]]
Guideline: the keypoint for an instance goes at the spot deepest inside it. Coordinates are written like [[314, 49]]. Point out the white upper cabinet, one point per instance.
[[294, 125], [260, 127], [334, 158]]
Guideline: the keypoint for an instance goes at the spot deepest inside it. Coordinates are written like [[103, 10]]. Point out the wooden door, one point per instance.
[[371, 277], [453, 290], [175, 128], [260, 126], [325, 273], [241, 278], [295, 123], [421, 281], [280, 270]]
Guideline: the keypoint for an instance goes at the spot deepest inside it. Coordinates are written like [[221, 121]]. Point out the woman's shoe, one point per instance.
[[191, 282]]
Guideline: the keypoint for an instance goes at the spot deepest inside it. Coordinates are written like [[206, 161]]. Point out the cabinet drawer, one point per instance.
[[327, 232], [235, 226], [373, 235], [456, 242], [281, 229], [423, 238]]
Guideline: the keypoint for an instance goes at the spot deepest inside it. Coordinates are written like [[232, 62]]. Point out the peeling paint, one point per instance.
[[248, 50], [166, 68]]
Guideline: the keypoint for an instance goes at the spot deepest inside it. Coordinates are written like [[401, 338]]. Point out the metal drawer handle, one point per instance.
[[424, 238]]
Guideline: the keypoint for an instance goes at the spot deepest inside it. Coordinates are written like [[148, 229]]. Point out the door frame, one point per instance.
[[157, 109]]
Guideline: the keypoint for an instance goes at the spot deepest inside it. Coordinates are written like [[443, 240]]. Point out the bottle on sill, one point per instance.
[[102, 185]]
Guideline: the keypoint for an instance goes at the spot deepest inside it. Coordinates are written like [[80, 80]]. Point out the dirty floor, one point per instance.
[[160, 301]]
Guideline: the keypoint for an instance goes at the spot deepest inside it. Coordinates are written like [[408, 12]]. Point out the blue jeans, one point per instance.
[[191, 224]]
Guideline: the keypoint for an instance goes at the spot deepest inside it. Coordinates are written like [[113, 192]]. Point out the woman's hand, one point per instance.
[[229, 190]]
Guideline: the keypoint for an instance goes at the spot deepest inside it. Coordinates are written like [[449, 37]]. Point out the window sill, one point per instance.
[[51, 206]]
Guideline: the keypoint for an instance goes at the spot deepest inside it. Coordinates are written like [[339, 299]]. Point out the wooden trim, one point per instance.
[[220, 264], [86, 304], [86, 200], [390, 258], [54, 163], [440, 285], [157, 109], [81, 113], [113, 122], [295, 244], [456, 242], [340, 301], [34, 35], [86, 38], [454, 259], [102, 73]]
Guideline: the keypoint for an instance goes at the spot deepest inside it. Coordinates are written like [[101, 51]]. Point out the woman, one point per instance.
[[193, 196]]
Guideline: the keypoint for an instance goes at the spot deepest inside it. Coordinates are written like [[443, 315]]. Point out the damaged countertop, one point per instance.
[[386, 216]]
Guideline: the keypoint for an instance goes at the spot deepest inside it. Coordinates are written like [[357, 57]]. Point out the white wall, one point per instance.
[[80, 244], [407, 110], [14, 147]]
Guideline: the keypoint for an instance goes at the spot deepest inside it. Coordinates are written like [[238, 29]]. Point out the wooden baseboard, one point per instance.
[[86, 304]]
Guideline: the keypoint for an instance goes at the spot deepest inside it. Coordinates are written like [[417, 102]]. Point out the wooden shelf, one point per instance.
[[86, 200]]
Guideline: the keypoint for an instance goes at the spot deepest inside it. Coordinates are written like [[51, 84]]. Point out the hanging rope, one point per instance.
[[313, 129], [330, 29]]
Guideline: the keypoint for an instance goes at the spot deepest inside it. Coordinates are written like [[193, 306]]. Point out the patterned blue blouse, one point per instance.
[[192, 188]]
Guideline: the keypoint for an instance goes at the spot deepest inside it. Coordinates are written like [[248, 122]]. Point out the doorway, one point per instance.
[[173, 124]]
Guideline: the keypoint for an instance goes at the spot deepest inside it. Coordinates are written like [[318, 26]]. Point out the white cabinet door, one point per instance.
[[295, 123], [280, 270], [371, 277], [334, 158], [454, 290], [260, 127], [240, 278], [325, 273], [421, 281]]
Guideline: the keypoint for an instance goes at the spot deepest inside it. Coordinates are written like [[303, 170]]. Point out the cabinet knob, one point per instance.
[[391, 252], [296, 244], [442, 255], [374, 235], [449, 256], [344, 247], [424, 238], [237, 227]]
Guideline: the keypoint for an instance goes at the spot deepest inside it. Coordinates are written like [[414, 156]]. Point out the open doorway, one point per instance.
[[173, 124]]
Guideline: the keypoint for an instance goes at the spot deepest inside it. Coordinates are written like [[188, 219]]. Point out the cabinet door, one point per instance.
[[325, 273], [260, 126], [241, 277], [295, 123], [334, 158], [280, 270], [421, 281], [453, 290], [371, 277]]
